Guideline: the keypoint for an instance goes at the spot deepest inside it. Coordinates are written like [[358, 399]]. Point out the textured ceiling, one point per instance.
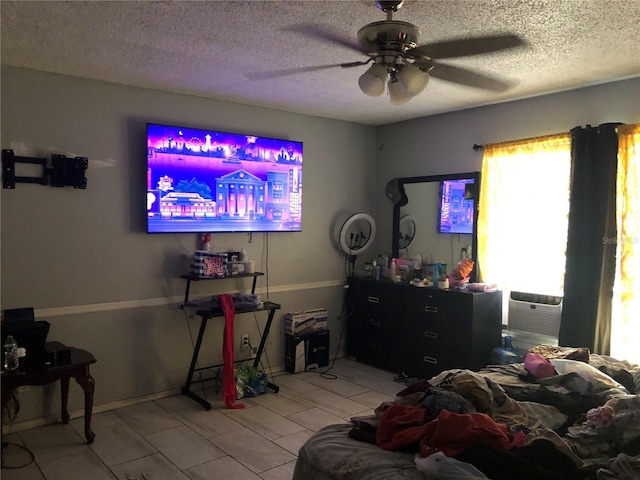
[[214, 49]]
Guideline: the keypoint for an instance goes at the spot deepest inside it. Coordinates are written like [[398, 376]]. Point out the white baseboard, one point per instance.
[[107, 407]]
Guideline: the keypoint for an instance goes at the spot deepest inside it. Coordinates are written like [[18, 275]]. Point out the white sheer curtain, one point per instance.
[[523, 214]]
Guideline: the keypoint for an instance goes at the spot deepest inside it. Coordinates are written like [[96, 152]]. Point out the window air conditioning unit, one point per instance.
[[534, 319]]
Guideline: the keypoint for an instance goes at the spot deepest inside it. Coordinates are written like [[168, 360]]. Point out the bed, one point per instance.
[[582, 421]]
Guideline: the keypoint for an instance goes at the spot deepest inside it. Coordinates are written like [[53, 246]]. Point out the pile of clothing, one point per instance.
[[561, 414], [465, 416]]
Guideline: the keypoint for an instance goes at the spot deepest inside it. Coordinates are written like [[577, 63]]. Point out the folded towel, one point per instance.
[[482, 287]]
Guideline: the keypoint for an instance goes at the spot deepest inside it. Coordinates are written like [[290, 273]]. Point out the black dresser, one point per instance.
[[421, 331]]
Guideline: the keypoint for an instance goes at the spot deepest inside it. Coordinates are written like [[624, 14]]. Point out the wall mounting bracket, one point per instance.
[[64, 171]]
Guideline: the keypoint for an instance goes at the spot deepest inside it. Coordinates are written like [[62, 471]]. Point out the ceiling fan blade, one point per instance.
[[467, 46], [467, 77], [355, 64], [325, 33], [284, 72]]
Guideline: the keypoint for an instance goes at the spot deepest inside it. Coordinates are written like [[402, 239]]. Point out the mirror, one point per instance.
[[436, 217]]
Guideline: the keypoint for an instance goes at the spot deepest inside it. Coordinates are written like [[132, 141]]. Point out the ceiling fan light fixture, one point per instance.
[[413, 79], [372, 81], [397, 93]]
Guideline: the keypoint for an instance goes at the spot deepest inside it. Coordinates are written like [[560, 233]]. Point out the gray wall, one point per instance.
[[443, 144], [82, 257]]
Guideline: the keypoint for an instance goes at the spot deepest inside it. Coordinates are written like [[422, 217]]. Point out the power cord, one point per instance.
[[12, 467], [325, 373], [264, 352]]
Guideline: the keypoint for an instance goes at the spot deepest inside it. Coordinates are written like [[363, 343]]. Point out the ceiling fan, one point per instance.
[[399, 63]]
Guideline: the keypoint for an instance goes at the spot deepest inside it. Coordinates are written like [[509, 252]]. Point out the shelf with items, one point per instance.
[[196, 278], [207, 313]]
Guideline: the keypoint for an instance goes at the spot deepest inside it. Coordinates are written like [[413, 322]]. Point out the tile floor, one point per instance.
[[175, 438]]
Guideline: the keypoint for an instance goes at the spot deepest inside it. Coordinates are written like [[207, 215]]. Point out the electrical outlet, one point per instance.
[[244, 340]]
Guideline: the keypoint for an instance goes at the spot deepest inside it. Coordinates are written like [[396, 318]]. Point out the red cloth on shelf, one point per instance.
[[229, 393]]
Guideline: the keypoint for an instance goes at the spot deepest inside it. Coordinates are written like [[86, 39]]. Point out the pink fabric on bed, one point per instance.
[[538, 366]]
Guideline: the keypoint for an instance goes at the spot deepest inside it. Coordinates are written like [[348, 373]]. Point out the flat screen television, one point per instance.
[[457, 206], [207, 181]]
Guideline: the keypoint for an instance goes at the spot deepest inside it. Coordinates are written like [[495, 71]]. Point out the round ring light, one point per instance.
[[345, 232], [409, 222]]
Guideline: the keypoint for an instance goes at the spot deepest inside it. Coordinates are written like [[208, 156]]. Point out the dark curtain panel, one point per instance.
[[591, 248]]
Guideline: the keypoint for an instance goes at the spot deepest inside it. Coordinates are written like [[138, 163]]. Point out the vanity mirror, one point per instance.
[[436, 217]]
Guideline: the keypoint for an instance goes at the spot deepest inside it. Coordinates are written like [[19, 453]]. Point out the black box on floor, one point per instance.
[[306, 351]]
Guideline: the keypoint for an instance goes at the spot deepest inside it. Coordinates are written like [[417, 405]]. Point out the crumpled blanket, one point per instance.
[[451, 433], [571, 353], [435, 400], [605, 433], [623, 467], [402, 427], [469, 385], [439, 465]]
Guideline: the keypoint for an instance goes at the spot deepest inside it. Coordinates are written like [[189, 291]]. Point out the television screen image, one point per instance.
[[207, 181], [457, 200]]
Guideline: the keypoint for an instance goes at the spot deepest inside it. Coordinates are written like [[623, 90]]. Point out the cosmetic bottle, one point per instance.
[[10, 354]]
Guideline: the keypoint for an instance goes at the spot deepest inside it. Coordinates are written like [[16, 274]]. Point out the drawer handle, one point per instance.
[[375, 322], [430, 334], [373, 300], [428, 359], [429, 308]]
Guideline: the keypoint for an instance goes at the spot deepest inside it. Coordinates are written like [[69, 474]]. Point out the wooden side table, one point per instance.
[[56, 365]]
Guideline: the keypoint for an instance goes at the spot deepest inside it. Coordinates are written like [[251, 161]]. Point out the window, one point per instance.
[[523, 214]]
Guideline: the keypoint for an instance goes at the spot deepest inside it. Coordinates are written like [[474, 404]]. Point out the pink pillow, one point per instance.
[[538, 366]]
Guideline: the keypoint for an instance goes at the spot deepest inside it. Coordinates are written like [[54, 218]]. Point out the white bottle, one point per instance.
[[394, 269], [10, 354]]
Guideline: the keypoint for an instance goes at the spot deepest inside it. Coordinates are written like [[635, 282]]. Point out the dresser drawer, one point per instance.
[[433, 303], [440, 331], [424, 361], [379, 301]]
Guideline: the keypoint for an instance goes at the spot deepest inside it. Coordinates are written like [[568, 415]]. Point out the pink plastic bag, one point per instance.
[[538, 366]]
